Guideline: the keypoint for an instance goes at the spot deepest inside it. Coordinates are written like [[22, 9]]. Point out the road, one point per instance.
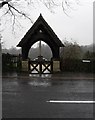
[[26, 96]]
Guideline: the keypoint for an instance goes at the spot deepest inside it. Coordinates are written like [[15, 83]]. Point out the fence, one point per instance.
[[12, 62], [78, 65]]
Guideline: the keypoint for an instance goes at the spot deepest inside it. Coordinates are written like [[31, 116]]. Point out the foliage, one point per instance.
[[77, 65], [89, 55], [71, 56], [71, 51], [10, 62]]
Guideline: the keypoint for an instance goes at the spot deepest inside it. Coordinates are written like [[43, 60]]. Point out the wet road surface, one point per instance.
[[27, 96]]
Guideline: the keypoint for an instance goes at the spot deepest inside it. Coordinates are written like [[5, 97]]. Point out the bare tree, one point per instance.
[[12, 10]]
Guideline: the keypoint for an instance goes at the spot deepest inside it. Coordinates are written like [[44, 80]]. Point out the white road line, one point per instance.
[[77, 102]]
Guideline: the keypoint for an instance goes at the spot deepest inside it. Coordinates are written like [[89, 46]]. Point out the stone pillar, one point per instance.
[[56, 65], [25, 65]]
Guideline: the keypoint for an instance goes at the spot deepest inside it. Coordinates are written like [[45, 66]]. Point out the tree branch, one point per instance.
[[50, 4], [19, 12]]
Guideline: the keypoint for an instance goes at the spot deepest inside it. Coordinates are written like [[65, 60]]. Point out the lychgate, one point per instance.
[[41, 31]]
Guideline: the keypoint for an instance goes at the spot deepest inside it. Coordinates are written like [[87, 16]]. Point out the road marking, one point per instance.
[[78, 102]]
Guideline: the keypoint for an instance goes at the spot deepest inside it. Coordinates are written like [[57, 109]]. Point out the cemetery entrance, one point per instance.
[[41, 31], [40, 66]]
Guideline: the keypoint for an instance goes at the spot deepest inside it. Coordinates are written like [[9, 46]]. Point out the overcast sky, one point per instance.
[[78, 27]]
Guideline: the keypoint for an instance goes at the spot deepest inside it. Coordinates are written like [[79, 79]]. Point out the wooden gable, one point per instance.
[[40, 26]]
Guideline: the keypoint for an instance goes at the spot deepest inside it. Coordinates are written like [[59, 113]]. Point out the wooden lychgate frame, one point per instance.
[[40, 31], [40, 67]]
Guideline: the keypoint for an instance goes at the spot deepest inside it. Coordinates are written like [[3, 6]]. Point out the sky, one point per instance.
[[76, 27]]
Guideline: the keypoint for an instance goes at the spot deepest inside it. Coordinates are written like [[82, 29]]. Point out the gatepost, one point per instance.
[[56, 65], [25, 65]]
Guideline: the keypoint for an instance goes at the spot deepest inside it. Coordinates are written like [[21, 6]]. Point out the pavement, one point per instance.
[[26, 96]]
